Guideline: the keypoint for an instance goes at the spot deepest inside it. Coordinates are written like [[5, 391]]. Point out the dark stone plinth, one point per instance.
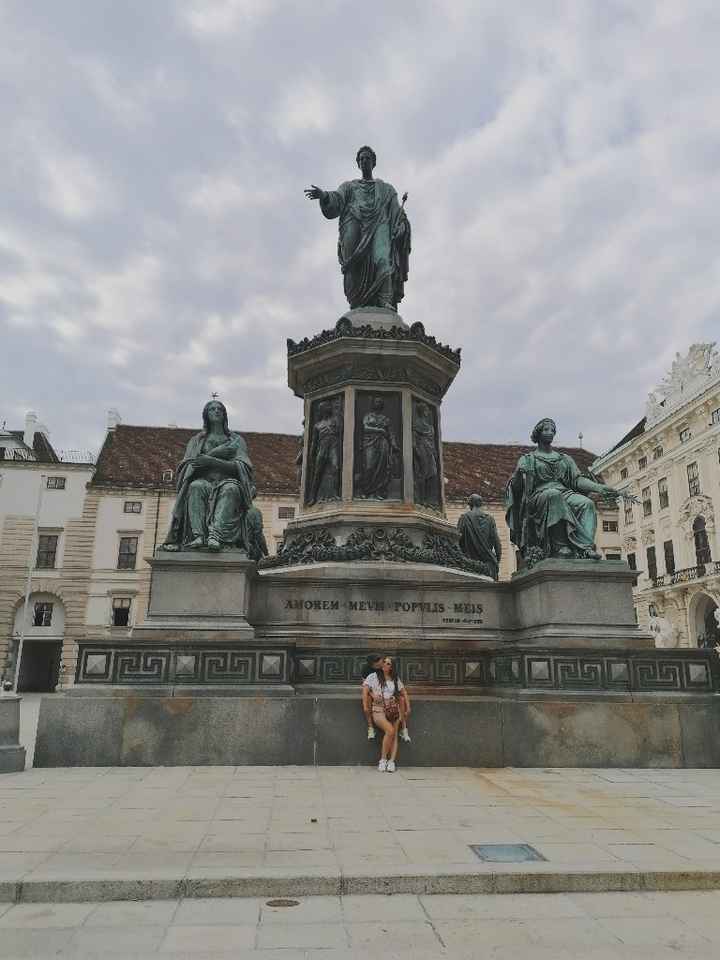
[[564, 730], [12, 755]]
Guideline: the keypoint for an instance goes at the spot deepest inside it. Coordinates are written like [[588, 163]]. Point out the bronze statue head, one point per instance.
[[366, 152], [475, 500], [378, 403], [539, 429], [212, 411]]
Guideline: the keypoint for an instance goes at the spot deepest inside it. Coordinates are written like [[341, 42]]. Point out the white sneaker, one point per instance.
[[390, 766], [371, 733], [382, 766], [405, 735]]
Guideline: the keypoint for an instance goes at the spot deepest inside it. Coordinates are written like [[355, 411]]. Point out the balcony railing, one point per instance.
[[687, 574]]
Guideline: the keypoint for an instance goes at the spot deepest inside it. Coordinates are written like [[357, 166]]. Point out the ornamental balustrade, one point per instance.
[[687, 574]]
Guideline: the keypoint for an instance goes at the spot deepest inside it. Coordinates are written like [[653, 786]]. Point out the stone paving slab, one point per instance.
[[612, 926], [161, 833]]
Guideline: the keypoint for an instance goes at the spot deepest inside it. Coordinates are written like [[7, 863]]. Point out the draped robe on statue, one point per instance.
[[378, 444], [479, 539], [209, 503], [324, 461], [373, 242], [542, 493]]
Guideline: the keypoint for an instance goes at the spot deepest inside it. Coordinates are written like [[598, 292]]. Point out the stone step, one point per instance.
[[540, 878]]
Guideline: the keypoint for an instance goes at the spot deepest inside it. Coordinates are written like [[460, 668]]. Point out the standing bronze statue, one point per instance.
[[214, 488], [379, 450], [324, 455], [479, 538], [374, 236], [425, 455], [549, 511]]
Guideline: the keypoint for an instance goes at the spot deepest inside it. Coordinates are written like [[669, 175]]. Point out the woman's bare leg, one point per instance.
[[394, 748], [389, 733]]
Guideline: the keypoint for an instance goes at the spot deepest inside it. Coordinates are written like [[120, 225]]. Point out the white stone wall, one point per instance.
[[686, 435]]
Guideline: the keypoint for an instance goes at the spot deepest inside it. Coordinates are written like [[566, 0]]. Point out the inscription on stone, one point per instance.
[[461, 611]]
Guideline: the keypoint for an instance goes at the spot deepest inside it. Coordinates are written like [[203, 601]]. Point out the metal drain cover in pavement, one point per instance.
[[505, 852]]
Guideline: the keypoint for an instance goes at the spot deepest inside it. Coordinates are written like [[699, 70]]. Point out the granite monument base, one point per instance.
[[198, 595], [12, 755], [531, 730]]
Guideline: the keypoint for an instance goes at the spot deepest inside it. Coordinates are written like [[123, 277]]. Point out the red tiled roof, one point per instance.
[[138, 457]]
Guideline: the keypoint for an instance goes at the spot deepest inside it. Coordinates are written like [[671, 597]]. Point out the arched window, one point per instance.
[[702, 545]]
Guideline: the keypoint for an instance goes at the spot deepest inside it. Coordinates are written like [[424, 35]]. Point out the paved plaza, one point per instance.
[[90, 833], [607, 926]]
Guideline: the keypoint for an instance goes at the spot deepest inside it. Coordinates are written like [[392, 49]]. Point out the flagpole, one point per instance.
[[28, 582]]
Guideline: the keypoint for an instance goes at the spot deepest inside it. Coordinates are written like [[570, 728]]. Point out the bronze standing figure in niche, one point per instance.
[[479, 538], [549, 511], [324, 455], [425, 455], [214, 488], [379, 452], [374, 235]]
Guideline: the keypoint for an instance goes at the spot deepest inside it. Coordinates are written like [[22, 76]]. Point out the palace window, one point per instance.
[[669, 556], [657, 453], [42, 616], [624, 473], [132, 506], [632, 563], [47, 551], [693, 475], [646, 502], [715, 416], [613, 556], [286, 513], [610, 526], [628, 507], [702, 545], [651, 563], [127, 554], [56, 483], [121, 611], [663, 495], [642, 463], [685, 435]]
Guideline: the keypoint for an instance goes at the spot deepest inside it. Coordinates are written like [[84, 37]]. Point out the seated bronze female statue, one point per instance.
[[214, 488], [548, 508]]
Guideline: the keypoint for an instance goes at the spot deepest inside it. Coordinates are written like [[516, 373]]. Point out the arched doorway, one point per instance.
[[42, 646], [703, 624], [702, 544]]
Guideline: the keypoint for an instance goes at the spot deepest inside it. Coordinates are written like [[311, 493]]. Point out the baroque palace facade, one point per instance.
[[670, 461], [98, 524]]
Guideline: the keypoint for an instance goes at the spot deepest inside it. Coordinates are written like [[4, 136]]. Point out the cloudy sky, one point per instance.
[[562, 160]]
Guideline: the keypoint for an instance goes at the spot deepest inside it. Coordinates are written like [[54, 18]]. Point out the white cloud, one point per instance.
[[562, 160]]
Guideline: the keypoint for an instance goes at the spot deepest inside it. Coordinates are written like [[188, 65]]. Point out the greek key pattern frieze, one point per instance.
[[205, 666], [643, 671]]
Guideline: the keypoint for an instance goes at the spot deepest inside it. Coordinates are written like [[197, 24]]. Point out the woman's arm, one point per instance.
[[406, 697], [366, 705]]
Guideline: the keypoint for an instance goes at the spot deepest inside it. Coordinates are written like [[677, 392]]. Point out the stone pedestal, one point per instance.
[[12, 755], [578, 603], [198, 594], [372, 355]]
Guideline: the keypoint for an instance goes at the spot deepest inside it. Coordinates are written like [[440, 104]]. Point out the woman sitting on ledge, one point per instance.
[[549, 512]]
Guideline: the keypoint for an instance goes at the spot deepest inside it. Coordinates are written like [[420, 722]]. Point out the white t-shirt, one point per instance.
[[381, 692]]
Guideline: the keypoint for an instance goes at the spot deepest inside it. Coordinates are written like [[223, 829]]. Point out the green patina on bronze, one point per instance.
[[479, 538], [214, 505], [374, 236], [548, 507]]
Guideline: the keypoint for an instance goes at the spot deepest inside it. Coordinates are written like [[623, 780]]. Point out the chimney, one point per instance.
[[113, 419], [31, 420]]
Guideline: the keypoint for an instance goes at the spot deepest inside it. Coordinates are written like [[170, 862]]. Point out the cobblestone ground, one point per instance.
[[532, 926]]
